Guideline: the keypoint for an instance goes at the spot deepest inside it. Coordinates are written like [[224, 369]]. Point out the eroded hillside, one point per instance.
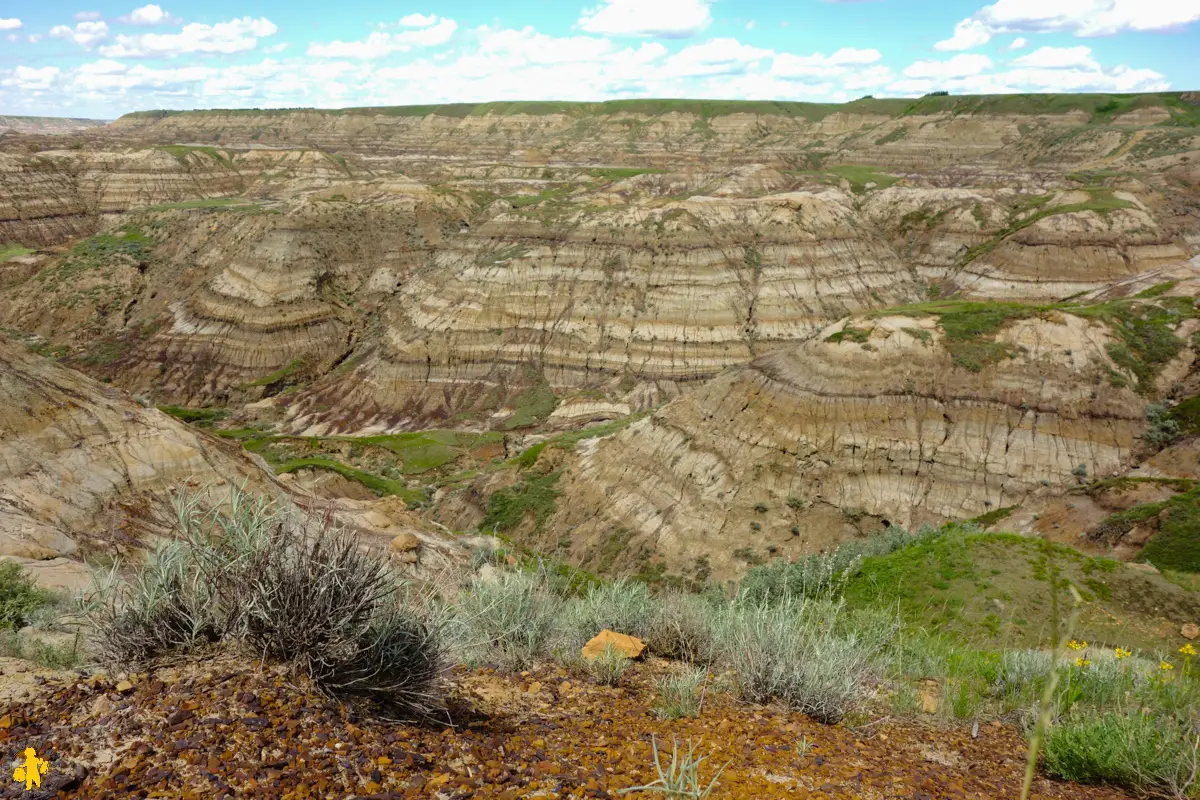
[[797, 321]]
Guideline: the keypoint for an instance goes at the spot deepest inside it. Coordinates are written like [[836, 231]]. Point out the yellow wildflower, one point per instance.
[[1123, 653], [1165, 666], [1188, 650], [1074, 645], [1082, 662]]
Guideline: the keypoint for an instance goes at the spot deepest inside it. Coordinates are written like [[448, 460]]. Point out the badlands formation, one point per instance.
[[786, 323]]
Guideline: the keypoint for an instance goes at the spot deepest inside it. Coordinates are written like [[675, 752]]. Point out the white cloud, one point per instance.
[[715, 57], [276, 48], [495, 63], [1059, 58], [960, 66], [147, 16], [31, 79], [234, 36], [819, 66], [34, 38], [380, 44], [669, 19], [87, 16], [85, 34], [751, 25], [1019, 43], [10, 24], [418, 20], [967, 34], [1078, 17]]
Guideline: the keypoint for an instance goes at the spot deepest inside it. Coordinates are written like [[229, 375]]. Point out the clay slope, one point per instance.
[[872, 422], [82, 465]]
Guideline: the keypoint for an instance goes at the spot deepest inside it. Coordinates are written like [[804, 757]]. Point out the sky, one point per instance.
[[104, 59]]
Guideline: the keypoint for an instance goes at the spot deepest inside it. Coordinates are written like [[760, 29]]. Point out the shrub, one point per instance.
[[20, 597], [790, 652], [1163, 428], [1143, 752], [283, 589], [822, 574], [508, 621], [166, 608], [681, 628], [608, 667], [623, 606], [680, 695]]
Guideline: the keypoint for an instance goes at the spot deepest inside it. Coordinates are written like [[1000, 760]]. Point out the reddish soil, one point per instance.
[[225, 728]]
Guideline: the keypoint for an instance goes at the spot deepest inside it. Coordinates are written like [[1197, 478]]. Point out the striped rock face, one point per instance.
[[869, 421]]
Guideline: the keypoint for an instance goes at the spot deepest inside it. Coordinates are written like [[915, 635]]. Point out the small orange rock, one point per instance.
[[1190, 631], [383, 761], [404, 543], [124, 686], [628, 646]]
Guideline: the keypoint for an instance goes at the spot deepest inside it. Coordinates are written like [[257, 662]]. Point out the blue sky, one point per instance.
[[103, 59]]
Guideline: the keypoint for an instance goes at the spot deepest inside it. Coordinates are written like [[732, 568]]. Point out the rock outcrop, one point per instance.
[[869, 423], [82, 464]]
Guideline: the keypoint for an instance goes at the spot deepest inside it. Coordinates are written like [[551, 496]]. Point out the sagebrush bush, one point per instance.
[[285, 589], [623, 606], [791, 651], [507, 621], [680, 627]]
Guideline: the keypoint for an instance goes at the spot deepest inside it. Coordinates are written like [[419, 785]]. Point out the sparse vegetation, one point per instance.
[[20, 597], [304, 595], [534, 497]]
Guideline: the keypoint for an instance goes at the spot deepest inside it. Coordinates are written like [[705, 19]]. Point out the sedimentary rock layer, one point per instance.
[[870, 420], [82, 462]]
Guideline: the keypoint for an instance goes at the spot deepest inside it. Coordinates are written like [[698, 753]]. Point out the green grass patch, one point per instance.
[[1101, 108], [895, 135], [12, 250], [425, 450], [280, 375], [1176, 546], [620, 173], [129, 244], [377, 484], [200, 417], [532, 406], [568, 441], [1145, 328], [850, 334], [533, 498], [1187, 414], [992, 517], [859, 176], [993, 589]]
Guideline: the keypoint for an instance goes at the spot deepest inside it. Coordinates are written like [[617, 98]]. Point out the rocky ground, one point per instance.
[[228, 728]]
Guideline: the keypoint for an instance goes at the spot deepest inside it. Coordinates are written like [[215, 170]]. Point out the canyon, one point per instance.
[[666, 338]]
